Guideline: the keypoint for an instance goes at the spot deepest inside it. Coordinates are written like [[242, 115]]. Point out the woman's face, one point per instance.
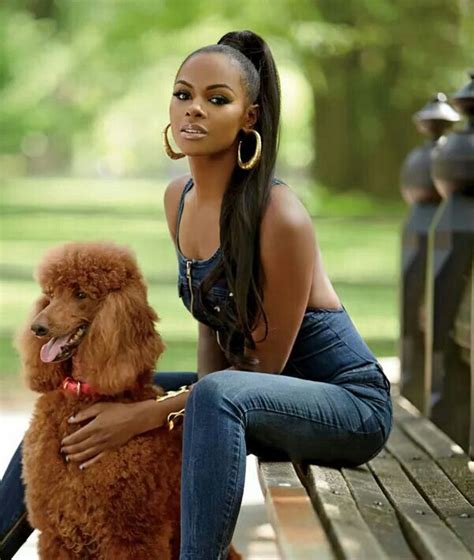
[[208, 93]]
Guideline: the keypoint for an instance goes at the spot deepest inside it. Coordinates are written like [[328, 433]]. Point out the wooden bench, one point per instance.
[[414, 500]]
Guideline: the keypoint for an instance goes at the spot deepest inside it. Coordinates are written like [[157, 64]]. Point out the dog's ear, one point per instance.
[[39, 376], [121, 344]]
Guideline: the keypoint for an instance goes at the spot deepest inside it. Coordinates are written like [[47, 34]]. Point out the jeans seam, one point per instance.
[[231, 492], [16, 522], [350, 348], [191, 417], [325, 424]]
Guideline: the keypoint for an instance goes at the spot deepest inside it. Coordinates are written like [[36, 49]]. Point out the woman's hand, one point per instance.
[[110, 425]]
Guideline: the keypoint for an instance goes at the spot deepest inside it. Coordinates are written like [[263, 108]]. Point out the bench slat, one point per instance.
[[447, 454], [434, 485], [300, 535], [332, 499], [414, 500], [377, 512], [426, 533]]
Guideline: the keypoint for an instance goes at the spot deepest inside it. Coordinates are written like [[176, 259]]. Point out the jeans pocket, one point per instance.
[[368, 375]]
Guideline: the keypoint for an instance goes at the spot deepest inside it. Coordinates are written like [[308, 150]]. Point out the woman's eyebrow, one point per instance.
[[213, 86]]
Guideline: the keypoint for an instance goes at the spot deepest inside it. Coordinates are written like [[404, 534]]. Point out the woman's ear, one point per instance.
[[37, 375], [252, 115], [121, 344]]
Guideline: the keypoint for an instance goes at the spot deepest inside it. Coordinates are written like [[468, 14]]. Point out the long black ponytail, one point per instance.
[[244, 202]]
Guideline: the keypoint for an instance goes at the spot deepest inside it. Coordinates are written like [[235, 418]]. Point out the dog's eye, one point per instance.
[[81, 295]]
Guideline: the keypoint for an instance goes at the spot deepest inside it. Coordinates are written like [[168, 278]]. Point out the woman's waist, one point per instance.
[[328, 344]]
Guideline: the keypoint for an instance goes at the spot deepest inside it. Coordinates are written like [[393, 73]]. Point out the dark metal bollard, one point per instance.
[[419, 191], [449, 348]]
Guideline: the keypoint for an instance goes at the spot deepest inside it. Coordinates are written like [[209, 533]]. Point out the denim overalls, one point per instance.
[[327, 348]]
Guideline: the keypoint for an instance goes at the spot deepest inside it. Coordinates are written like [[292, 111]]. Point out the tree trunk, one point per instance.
[[360, 139]]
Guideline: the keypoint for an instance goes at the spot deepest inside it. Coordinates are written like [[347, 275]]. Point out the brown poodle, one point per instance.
[[94, 324]]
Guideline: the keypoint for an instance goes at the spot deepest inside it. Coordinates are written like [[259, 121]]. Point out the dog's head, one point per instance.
[[93, 311]]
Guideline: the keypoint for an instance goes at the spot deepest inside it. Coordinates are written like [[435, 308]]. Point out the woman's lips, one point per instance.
[[193, 131], [193, 135]]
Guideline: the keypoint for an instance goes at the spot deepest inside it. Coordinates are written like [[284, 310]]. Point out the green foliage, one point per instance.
[[85, 86]]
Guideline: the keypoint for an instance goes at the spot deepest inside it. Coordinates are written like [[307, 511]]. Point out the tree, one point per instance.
[[370, 65]]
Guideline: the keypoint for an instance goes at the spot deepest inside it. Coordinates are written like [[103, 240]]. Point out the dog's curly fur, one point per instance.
[[126, 505]]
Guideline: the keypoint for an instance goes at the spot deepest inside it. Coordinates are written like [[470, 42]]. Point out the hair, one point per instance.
[[244, 201]]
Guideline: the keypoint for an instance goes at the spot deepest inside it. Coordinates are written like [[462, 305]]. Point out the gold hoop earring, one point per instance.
[[169, 151], [252, 162]]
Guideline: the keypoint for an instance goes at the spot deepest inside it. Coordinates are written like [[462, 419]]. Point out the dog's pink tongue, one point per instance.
[[51, 349]]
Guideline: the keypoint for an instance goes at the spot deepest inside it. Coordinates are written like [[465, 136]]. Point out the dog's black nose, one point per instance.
[[39, 330]]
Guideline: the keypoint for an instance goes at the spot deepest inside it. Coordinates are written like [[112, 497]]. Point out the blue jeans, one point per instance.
[[331, 405], [230, 414]]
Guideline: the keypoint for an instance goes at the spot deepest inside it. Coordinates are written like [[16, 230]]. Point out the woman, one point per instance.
[[291, 377]]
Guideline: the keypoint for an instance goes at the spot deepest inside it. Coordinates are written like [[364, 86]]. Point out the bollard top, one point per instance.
[[436, 116], [463, 99], [438, 109]]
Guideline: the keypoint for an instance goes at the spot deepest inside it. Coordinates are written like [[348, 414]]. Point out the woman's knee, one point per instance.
[[217, 381], [216, 386]]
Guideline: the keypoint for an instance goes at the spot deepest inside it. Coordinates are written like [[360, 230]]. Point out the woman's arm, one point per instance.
[[210, 357], [288, 254], [111, 425]]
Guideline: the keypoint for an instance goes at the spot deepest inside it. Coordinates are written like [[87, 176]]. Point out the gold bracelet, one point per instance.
[[169, 394], [172, 417]]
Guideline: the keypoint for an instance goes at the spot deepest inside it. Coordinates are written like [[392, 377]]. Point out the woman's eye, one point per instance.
[[81, 295], [178, 93], [222, 100], [215, 99]]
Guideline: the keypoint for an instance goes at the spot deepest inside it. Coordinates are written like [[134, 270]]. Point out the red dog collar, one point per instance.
[[79, 388]]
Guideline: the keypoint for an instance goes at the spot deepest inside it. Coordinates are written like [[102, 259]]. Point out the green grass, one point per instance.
[[359, 243]]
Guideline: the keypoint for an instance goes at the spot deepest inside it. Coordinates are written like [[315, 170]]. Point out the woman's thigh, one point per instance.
[[286, 417]]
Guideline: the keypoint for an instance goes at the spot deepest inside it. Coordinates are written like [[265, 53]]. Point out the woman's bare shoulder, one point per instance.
[[286, 223], [285, 208]]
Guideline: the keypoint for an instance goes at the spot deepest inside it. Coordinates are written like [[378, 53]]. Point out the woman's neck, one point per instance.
[[211, 175]]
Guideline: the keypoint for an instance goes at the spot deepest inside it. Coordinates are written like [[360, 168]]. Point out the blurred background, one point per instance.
[[84, 93]]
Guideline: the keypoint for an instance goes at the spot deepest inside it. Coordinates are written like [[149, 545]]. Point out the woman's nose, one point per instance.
[[195, 110]]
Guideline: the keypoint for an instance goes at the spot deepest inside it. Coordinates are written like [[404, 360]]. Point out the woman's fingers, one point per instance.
[[112, 425], [89, 412], [86, 431], [79, 436], [92, 461], [74, 448], [84, 455]]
